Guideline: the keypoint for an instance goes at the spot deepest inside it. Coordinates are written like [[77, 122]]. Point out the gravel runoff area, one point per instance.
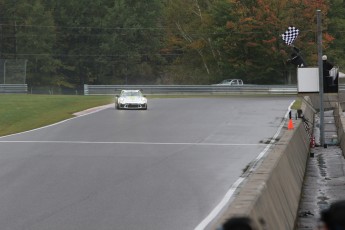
[[324, 181]]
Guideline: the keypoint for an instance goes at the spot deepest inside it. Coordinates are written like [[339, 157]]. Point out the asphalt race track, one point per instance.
[[165, 168]]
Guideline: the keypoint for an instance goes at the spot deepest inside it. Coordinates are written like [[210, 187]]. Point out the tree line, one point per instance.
[[68, 43]]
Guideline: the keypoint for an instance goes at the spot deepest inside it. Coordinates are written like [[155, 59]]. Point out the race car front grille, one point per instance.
[[133, 106]]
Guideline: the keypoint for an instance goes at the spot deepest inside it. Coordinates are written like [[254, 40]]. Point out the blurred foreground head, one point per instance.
[[334, 216], [238, 223]]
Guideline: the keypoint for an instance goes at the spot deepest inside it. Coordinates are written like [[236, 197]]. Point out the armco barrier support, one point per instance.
[[271, 194]]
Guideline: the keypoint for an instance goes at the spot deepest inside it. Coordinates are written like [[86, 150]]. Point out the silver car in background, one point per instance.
[[232, 82], [131, 99]]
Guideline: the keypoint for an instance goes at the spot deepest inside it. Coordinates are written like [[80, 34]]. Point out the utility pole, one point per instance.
[[319, 52]]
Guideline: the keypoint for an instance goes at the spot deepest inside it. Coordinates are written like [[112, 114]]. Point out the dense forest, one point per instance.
[[68, 43]]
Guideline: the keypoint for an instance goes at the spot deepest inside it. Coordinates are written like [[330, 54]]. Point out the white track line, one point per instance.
[[226, 199], [131, 143]]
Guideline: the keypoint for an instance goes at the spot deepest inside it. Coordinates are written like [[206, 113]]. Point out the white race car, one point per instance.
[[131, 99]]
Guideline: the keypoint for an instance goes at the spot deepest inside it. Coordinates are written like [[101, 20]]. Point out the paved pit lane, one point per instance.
[[164, 168]]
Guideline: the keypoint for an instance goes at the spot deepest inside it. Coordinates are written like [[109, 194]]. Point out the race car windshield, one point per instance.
[[129, 94]]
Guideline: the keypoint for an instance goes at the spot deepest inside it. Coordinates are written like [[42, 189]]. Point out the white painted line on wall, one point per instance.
[[226, 199]]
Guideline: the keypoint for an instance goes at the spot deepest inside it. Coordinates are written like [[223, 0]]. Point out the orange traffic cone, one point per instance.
[[290, 125]]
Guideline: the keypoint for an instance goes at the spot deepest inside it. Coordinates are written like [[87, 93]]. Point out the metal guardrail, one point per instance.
[[173, 89], [13, 88], [192, 89]]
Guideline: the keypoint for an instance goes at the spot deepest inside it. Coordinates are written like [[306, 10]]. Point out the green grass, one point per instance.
[[24, 112], [297, 104]]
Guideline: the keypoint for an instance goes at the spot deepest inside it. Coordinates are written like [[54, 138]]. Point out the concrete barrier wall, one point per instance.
[[329, 100], [271, 194], [340, 124]]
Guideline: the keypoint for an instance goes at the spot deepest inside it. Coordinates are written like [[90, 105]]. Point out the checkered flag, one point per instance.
[[290, 35]]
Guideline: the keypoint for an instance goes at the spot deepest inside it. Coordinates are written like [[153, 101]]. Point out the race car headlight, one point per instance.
[[143, 100], [121, 100]]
